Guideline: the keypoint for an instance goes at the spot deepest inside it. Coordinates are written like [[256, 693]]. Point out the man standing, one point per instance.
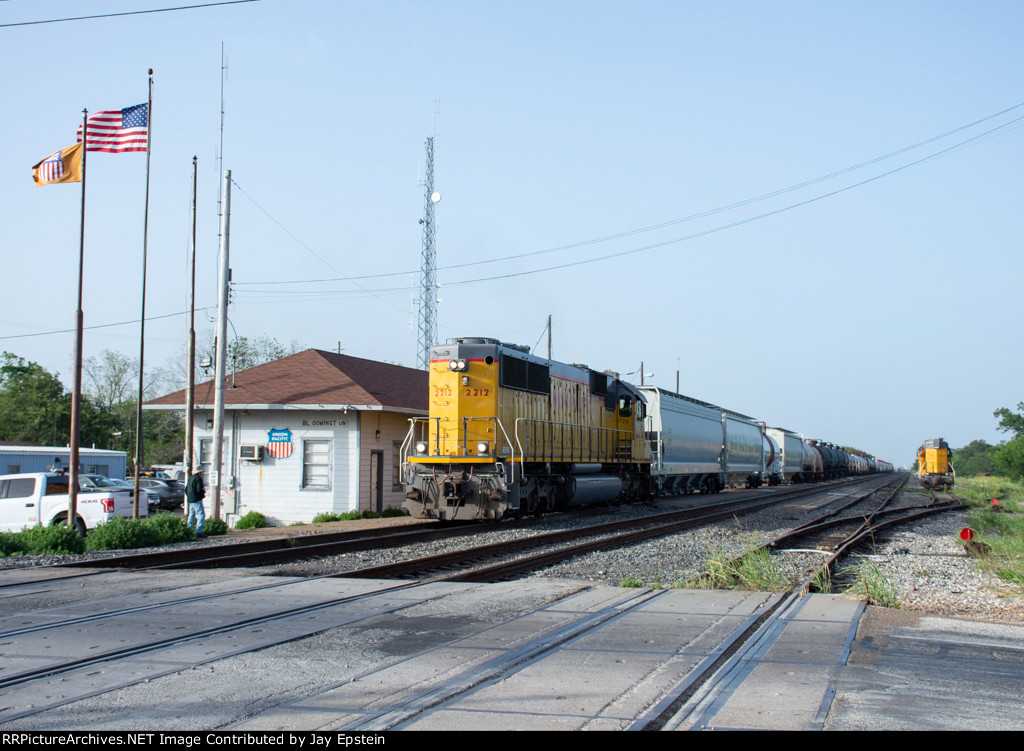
[[195, 492]]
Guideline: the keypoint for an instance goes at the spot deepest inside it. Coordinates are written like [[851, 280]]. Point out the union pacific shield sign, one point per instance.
[[279, 443]]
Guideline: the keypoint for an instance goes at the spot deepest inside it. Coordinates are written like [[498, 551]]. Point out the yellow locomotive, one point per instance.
[[935, 460], [510, 433]]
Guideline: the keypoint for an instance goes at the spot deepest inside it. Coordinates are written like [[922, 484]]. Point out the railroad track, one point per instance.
[[237, 633], [559, 546], [285, 550]]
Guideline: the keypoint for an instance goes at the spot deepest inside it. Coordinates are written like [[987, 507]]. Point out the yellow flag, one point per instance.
[[64, 166]]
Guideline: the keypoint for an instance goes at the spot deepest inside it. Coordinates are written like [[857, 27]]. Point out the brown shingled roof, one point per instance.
[[315, 377]]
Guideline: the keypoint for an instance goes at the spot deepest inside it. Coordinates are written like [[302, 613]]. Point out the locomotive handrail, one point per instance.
[[465, 437], [610, 441]]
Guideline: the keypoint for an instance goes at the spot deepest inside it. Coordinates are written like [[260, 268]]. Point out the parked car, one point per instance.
[[42, 498], [170, 494], [87, 482]]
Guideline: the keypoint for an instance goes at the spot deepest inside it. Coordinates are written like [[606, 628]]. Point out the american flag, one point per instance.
[[118, 130]]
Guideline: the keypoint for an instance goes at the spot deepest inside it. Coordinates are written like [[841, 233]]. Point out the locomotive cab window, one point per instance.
[[625, 406]]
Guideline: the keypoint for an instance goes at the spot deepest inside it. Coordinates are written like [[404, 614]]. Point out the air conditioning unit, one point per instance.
[[251, 452]]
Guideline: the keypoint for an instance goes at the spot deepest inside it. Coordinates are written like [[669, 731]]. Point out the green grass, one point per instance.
[[1002, 531], [870, 582], [822, 580], [756, 569]]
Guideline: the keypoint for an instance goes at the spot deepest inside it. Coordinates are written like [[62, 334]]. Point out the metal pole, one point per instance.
[[190, 389], [142, 324], [222, 336], [76, 390], [549, 336]]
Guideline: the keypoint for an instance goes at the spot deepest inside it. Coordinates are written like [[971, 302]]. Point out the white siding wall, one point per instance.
[[274, 486]]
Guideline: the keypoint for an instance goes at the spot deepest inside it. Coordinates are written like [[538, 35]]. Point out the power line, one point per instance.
[[375, 293], [739, 222], [691, 217], [100, 325], [127, 13]]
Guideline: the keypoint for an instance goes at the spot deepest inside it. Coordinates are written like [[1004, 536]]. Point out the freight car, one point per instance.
[[697, 446], [510, 433], [935, 460]]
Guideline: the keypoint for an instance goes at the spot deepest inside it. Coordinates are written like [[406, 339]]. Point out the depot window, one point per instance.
[[316, 464]]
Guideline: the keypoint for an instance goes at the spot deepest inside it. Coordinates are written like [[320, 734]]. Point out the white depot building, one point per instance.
[[309, 433]]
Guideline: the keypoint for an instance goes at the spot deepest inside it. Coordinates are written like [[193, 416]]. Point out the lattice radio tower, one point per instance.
[[428, 267]]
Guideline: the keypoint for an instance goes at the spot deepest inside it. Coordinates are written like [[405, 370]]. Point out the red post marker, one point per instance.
[[966, 534], [995, 501]]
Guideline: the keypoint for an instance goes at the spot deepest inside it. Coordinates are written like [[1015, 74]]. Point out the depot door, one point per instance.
[[377, 481]]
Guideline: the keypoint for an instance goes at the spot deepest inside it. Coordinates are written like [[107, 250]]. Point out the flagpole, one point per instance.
[[76, 391], [190, 390], [142, 326]]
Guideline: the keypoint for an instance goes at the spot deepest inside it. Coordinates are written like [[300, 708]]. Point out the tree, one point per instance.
[[111, 378], [1009, 421], [242, 353], [1009, 455], [33, 404], [975, 457], [248, 353], [1009, 458]]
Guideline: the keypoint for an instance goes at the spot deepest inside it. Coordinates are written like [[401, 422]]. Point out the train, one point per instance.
[[509, 433], [935, 464]]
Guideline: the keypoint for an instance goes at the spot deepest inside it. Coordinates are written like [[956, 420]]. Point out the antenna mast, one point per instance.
[[428, 266]]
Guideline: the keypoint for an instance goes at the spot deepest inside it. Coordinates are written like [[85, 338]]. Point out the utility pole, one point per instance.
[[224, 276]]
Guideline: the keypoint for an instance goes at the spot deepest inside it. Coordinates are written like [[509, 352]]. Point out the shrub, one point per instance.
[[121, 534], [389, 512], [215, 527], [631, 581], [252, 520], [170, 528], [11, 543], [59, 539], [326, 516], [368, 514], [349, 516]]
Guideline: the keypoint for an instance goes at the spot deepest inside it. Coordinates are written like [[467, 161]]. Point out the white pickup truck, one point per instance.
[[42, 498]]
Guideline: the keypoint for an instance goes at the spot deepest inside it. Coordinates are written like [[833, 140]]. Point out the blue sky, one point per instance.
[[877, 317]]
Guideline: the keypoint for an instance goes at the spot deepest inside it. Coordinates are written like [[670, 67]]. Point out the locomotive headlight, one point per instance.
[[457, 365], [483, 448], [421, 447]]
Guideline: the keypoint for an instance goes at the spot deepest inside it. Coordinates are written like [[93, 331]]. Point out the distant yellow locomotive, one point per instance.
[[510, 433], [935, 459]]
